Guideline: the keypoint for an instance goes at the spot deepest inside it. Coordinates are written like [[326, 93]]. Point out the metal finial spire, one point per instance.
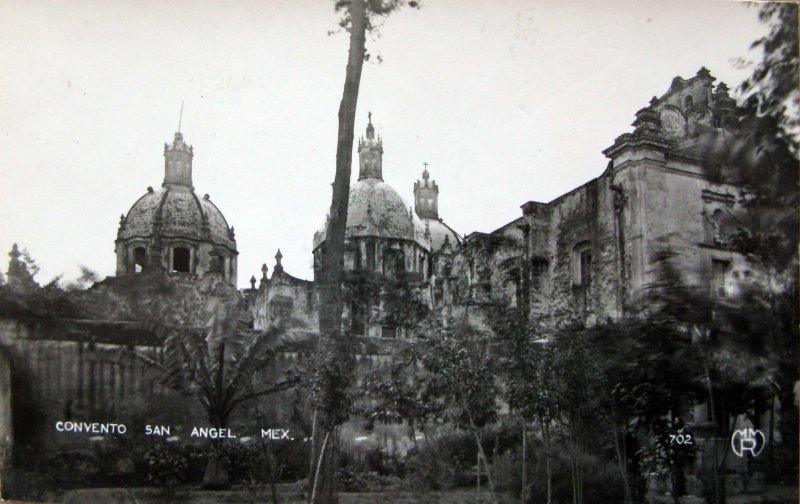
[[180, 119]]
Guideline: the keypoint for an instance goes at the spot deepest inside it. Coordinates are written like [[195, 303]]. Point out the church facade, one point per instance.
[[586, 254]]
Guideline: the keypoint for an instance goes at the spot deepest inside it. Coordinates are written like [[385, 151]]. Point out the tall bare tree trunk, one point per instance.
[[330, 312], [548, 469], [524, 492], [319, 466], [622, 457]]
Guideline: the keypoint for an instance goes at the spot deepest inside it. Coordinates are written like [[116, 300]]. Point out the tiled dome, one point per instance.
[[376, 209], [176, 212]]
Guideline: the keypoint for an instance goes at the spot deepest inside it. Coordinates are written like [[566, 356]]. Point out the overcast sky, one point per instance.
[[508, 101]]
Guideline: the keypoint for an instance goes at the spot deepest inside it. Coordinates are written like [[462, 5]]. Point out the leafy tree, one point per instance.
[[731, 365], [462, 370], [758, 154], [774, 86], [402, 392], [756, 150], [527, 371]]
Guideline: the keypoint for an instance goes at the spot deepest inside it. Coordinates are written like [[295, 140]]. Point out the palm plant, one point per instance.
[[222, 364]]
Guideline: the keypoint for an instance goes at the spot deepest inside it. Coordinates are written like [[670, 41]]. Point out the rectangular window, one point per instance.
[[388, 332], [181, 260], [514, 292], [719, 270], [371, 255], [139, 258], [357, 256]]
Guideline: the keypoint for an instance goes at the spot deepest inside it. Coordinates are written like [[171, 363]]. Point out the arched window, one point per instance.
[[181, 260], [688, 103]]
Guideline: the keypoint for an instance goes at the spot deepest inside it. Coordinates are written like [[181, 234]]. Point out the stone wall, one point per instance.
[[6, 419], [105, 372], [63, 376]]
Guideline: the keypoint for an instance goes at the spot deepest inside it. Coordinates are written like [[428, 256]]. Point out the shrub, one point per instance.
[[351, 481], [166, 465]]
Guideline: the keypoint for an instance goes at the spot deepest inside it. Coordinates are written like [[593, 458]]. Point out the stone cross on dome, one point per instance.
[[425, 173]]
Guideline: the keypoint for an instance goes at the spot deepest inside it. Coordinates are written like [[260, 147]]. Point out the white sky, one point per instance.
[[508, 101]]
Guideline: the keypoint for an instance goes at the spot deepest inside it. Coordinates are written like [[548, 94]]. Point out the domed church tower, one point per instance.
[[173, 229], [426, 204], [426, 196], [383, 235]]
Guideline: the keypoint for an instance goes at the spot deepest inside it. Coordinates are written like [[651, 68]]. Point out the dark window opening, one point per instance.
[[582, 265], [388, 331], [358, 325], [139, 259], [370, 255], [357, 256], [585, 268], [181, 260]]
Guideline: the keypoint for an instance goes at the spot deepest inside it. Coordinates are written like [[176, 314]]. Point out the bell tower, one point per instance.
[[426, 196], [178, 163], [370, 154]]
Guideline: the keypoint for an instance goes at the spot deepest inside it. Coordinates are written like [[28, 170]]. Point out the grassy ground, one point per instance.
[[242, 496], [290, 494]]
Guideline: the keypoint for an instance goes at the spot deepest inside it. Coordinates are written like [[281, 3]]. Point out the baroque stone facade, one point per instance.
[[585, 255]]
